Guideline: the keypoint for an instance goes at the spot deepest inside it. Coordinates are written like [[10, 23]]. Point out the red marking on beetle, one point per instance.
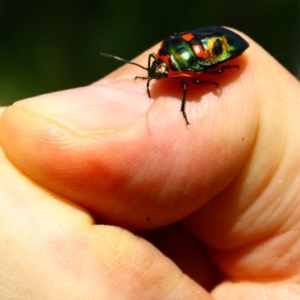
[[199, 51], [188, 37]]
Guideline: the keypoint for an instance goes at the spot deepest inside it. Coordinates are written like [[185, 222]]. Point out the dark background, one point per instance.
[[53, 45]]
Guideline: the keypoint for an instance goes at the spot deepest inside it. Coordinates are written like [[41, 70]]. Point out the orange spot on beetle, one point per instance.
[[199, 51], [188, 37]]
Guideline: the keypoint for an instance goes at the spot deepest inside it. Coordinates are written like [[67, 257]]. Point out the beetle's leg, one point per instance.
[[148, 82], [198, 81], [221, 69], [152, 55], [148, 89], [140, 77], [182, 109]]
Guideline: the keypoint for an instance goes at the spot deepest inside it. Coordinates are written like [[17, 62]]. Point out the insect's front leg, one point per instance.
[[148, 83], [140, 77]]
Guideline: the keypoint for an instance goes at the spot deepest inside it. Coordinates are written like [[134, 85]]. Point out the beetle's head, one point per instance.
[[158, 69]]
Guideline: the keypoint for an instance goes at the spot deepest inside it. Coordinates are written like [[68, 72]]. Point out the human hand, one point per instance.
[[106, 152]]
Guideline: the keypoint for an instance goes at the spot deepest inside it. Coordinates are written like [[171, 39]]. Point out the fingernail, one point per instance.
[[97, 107]]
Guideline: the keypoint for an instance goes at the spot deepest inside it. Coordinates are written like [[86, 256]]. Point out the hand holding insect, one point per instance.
[[77, 160]]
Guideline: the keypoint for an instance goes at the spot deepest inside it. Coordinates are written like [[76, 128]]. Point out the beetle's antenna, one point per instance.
[[122, 60]]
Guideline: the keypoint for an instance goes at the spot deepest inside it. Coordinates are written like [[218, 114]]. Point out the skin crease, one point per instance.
[[226, 185]]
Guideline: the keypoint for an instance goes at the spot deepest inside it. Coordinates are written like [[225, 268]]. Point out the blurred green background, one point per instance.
[[53, 45]]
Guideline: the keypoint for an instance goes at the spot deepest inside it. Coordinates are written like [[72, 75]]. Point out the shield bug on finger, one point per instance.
[[190, 53]]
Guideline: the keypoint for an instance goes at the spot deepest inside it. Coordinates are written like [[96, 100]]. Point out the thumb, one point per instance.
[[130, 161]]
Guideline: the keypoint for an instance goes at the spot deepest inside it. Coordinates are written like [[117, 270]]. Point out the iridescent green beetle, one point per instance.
[[190, 53]]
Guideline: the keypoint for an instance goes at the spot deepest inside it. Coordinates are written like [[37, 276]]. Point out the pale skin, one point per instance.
[[228, 184]]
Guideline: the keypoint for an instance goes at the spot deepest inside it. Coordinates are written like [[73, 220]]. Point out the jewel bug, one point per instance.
[[190, 53]]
